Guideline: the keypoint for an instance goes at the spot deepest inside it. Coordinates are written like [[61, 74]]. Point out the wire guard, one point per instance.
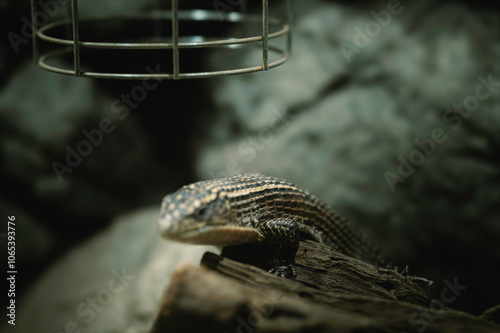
[[271, 28]]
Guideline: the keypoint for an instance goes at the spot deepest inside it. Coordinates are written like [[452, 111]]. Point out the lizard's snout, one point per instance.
[[166, 225]]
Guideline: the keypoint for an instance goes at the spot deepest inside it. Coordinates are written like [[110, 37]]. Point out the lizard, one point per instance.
[[254, 208]]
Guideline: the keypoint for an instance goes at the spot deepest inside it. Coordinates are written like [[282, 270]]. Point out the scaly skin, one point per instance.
[[253, 208]]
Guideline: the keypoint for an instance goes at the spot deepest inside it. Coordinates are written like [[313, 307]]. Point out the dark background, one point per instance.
[[346, 124]]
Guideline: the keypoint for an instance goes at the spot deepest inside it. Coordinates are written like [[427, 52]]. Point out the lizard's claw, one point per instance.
[[286, 271]]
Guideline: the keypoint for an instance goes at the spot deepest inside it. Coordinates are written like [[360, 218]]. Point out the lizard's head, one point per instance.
[[200, 214]]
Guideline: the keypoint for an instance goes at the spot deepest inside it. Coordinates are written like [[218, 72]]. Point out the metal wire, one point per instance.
[[265, 34], [34, 28], [175, 37], [76, 36], [289, 18], [282, 28]]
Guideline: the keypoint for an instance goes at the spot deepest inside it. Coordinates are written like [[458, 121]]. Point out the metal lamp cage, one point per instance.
[[74, 45]]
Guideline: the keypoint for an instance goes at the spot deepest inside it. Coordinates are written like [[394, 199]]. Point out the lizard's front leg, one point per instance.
[[283, 236]]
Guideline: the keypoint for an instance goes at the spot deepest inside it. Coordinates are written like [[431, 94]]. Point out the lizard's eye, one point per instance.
[[202, 213], [205, 212]]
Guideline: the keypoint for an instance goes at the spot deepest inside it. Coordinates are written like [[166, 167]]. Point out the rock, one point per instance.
[[129, 249], [50, 160]]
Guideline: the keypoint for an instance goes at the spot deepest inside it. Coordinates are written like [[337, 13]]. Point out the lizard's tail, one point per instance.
[[359, 245]]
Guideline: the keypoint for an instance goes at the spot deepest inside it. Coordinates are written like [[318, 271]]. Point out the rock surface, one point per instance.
[[82, 287], [66, 108]]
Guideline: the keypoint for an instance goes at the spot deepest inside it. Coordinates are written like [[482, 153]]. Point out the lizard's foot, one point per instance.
[[286, 271], [282, 235], [405, 272], [284, 268]]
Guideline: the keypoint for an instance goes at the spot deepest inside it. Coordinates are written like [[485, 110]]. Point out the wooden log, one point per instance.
[[332, 293]]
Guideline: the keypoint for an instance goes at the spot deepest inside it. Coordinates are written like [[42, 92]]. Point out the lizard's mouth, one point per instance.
[[217, 235]]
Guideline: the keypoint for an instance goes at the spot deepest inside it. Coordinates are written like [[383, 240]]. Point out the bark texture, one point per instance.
[[332, 293]]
